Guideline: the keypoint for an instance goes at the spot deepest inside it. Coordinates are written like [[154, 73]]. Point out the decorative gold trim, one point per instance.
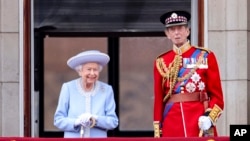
[[215, 113], [203, 48], [182, 49], [157, 131]]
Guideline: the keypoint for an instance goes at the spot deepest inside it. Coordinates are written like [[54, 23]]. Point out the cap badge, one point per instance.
[[174, 15]]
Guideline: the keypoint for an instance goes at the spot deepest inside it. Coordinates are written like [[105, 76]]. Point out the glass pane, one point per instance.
[[56, 53], [104, 15], [136, 80]]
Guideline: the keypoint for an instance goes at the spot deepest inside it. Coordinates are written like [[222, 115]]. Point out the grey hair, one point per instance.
[[79, 67]]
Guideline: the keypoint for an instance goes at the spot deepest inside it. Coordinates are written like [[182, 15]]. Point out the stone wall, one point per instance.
[[9, 68], [227, 37]]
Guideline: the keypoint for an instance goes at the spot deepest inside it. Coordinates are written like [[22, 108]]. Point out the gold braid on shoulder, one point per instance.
[[202, 48], [170, 74]]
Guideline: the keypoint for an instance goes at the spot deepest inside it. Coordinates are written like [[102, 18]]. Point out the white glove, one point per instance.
[[204, 123], [77, 122], [83, 120]]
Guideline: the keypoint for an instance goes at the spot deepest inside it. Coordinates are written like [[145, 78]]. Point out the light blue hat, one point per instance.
[[88, 57]]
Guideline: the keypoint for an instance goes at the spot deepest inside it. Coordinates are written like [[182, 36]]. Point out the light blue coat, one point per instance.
[[73, 101]]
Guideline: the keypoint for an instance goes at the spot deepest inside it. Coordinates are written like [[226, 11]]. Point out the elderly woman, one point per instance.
[[86, 106]]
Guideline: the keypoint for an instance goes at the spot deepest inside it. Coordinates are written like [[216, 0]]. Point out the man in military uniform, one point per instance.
[[188, 97]]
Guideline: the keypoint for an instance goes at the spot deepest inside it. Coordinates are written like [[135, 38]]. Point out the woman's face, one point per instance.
[[90, 73], [177, 34]]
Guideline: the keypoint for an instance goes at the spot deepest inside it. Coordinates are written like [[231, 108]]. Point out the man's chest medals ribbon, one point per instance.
[[174, 72]]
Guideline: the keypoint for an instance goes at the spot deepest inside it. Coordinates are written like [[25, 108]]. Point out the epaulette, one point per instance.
[[162, 54], [203, 48]]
